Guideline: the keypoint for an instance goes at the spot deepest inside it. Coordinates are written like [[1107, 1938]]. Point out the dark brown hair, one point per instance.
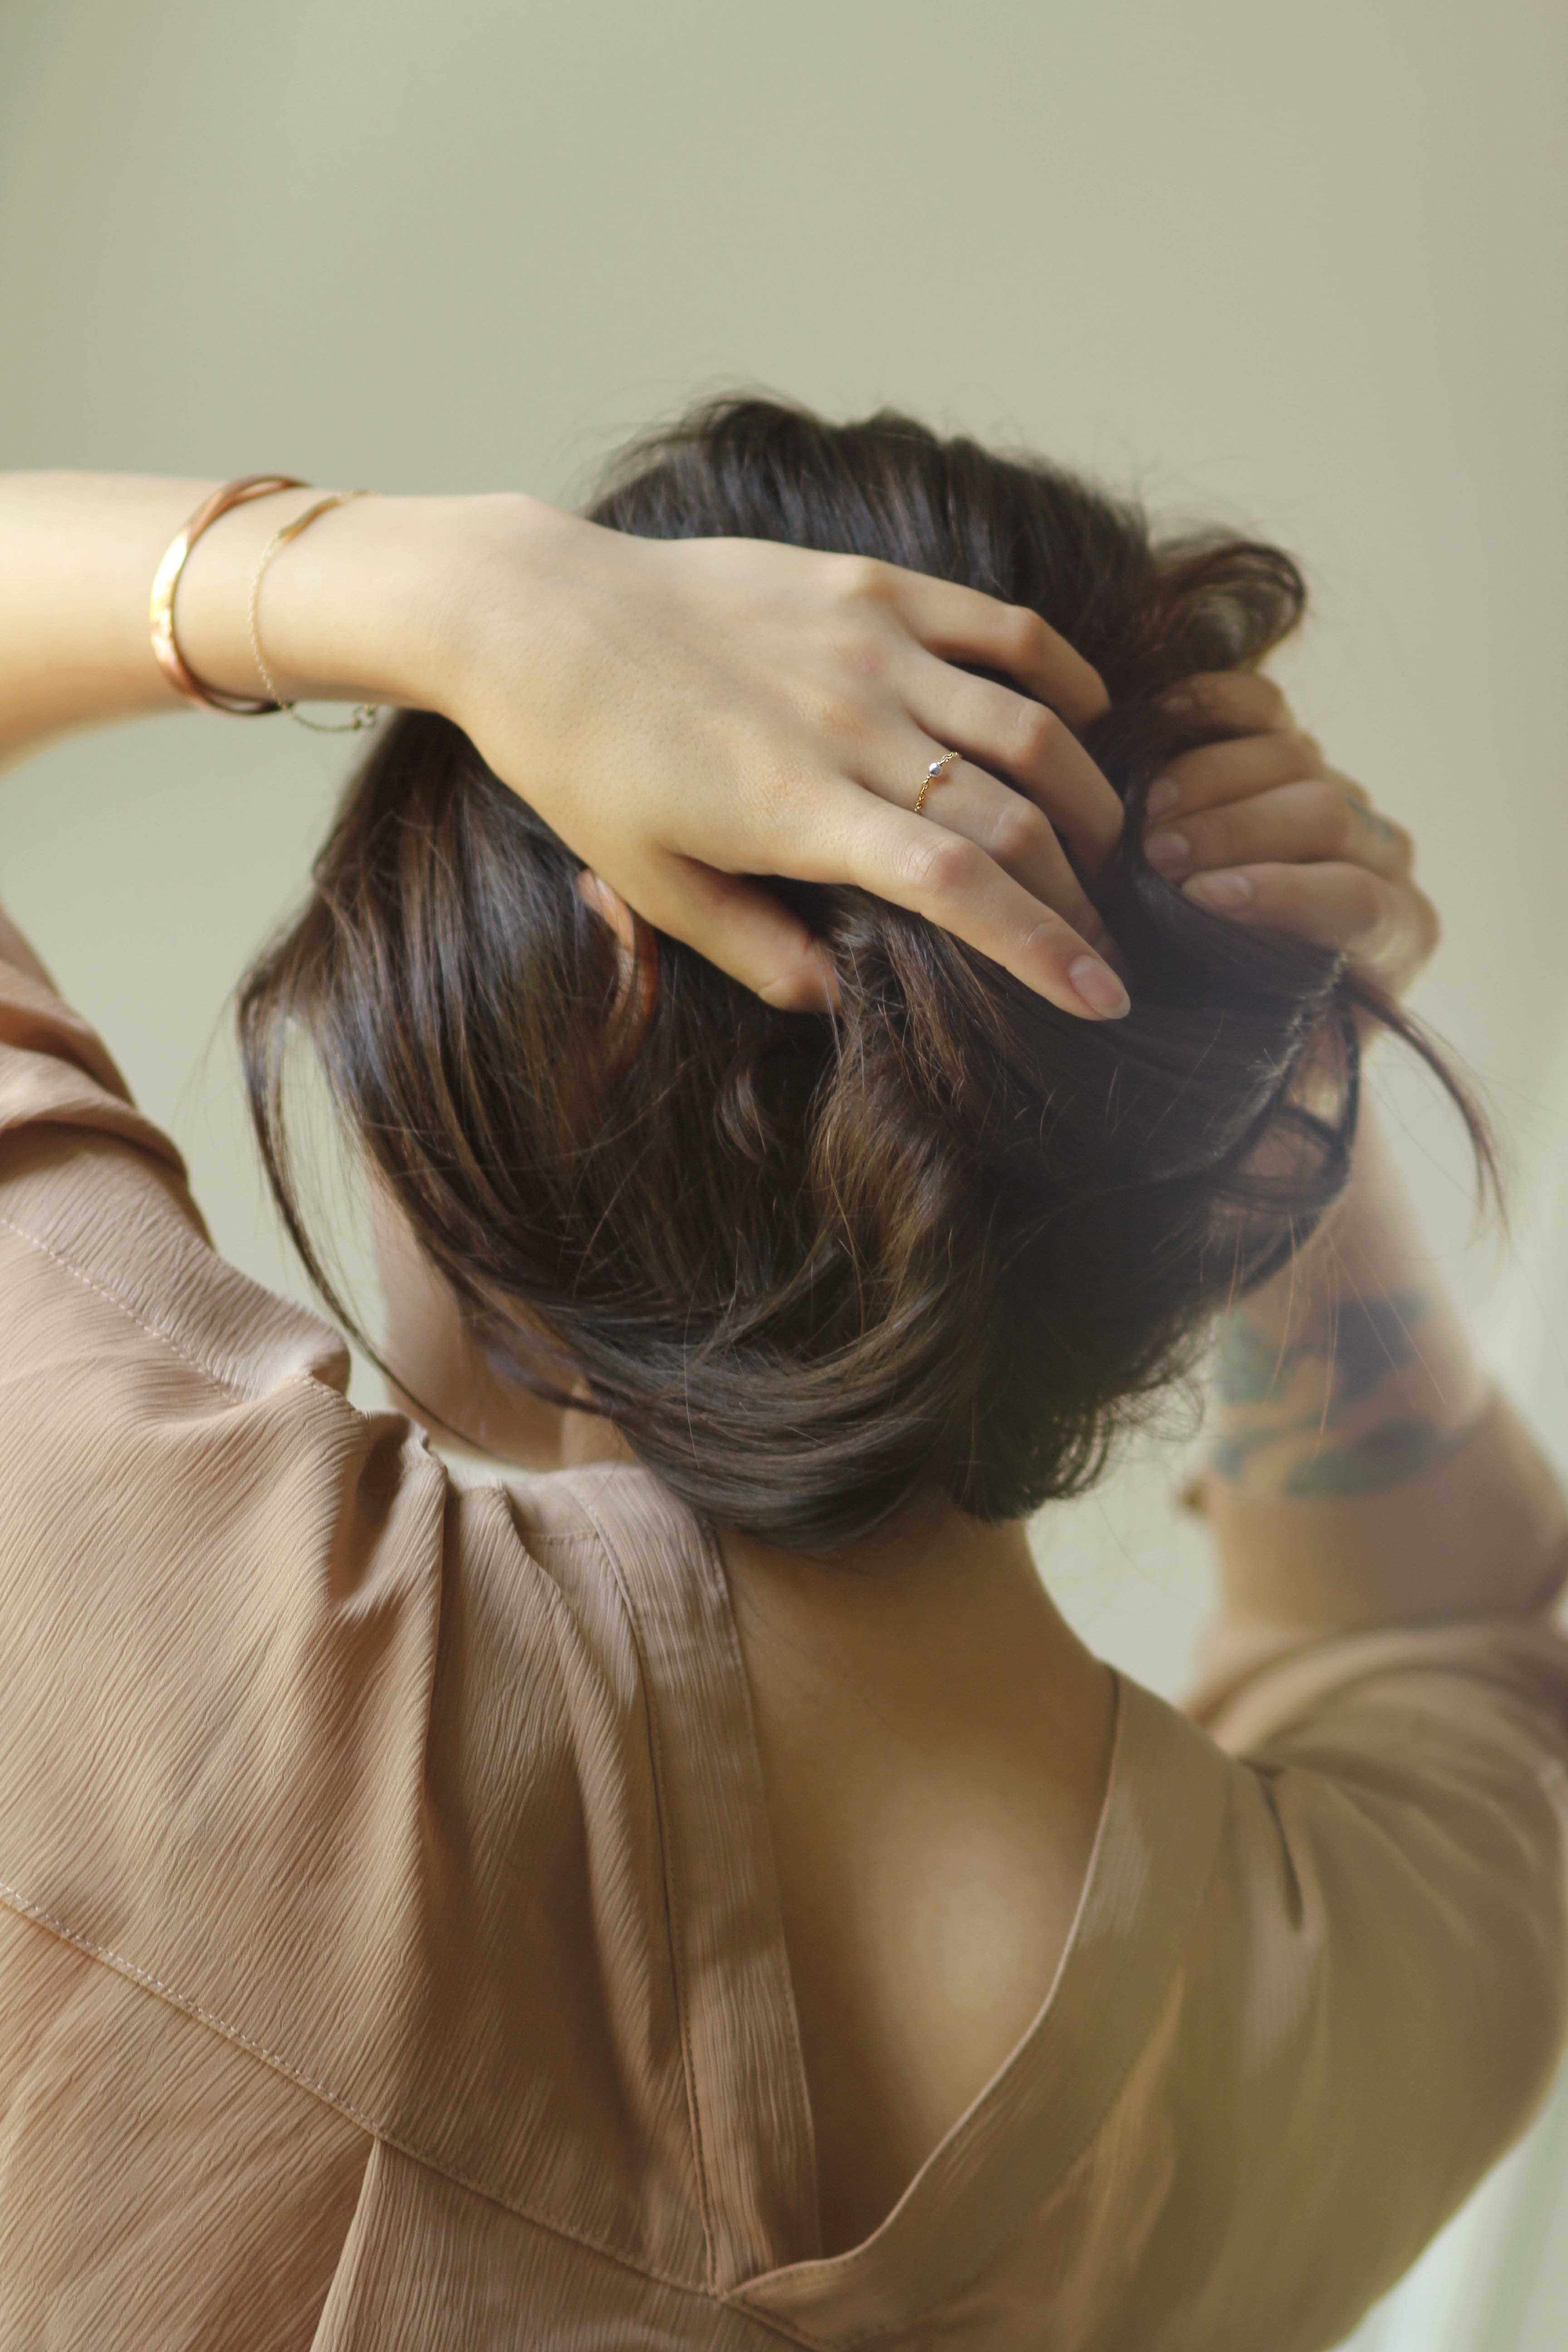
[[815, 1270]]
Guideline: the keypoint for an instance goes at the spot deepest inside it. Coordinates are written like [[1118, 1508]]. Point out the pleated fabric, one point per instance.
[[390, 1949]]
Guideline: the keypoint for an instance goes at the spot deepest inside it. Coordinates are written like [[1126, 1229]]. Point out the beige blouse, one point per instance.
[[390, 1952]]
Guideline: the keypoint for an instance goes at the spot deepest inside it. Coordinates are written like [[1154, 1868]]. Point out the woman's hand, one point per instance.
[[1262, 830], [689, 715]]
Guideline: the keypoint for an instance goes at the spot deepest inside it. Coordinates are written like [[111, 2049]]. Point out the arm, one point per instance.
[[80, 552], [1350, 1371], [686, 714], [1363, 1472]]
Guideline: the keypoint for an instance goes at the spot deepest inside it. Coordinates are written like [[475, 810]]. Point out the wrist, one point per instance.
[[368, 605], [492, 608], [356, 609]]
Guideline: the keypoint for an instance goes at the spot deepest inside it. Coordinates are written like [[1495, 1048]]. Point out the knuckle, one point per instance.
[[1020, 833], [941, 865], [1293, 756], [1050, 935], [1023, 635], [1403, 844], [862, 580], [1212, 837], [1333, 818], [796, 990], [1363, 904], [1037, 731]]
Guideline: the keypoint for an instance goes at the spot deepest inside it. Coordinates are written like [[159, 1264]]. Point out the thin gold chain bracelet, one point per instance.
[[365, 714]]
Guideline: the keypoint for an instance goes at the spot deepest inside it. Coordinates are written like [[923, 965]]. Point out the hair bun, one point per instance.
[[948, 1243]]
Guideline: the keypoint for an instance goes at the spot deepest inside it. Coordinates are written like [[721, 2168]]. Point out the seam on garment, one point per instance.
[[798, 2335], [712, 1553], [785, 2331], [17, 1901], [14, 1900], [671, 1902], [114, 1298]]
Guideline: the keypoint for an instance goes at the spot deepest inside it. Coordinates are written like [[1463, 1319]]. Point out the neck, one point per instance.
[[942, 1559], [925, 1626], [935, 1744]]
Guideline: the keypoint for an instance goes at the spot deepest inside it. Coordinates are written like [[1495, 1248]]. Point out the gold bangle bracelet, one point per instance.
[[161, 611]]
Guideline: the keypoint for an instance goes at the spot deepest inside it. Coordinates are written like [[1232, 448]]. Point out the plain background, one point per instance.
[[1296, 268]]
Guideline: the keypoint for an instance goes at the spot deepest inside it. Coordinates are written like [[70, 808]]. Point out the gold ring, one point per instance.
[[932, 774]]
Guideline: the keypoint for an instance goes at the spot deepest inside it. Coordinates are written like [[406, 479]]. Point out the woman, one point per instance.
[[700, 1891]]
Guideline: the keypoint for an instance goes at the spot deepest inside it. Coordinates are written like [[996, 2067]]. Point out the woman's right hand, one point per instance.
[[691, 715], [1262, 830]]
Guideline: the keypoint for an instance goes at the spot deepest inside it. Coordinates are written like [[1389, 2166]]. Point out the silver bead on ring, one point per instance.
[[932, 775]]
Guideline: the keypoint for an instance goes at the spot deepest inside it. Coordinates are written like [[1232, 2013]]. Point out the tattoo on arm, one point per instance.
[[1338, 1408], [1359, 1345], [1383, 1457]]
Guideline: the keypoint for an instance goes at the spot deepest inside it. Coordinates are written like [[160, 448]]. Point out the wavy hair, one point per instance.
[[817, 1269]]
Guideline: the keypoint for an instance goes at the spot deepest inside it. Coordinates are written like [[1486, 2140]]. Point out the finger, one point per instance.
[[1014, 737], [1233, 770], [747, 932], [1297, 824], [1018, 834], [637, 959], [962, 625], [1340, 906], [920, 865], [1230, 698], [1172, 798]]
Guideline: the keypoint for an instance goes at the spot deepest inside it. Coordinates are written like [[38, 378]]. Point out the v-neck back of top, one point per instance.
[[1003, 2158]]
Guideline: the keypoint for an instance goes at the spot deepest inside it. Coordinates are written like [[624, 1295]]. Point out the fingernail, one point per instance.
[[1179, 703], [1225, 894], [1100, 988], [1162, 797], [1169, 854]]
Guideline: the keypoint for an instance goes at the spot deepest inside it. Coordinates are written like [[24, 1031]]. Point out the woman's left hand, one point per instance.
[[1261, 829]]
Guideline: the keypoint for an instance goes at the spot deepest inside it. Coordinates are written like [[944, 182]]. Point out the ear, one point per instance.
[[636, 957]]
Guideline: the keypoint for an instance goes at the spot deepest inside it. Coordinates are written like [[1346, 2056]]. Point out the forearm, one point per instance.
[[354, 609], [1351, 1370], [1362, 1472]]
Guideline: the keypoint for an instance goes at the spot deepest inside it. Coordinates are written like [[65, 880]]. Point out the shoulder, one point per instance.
[[1375, 1992], [346, 1759], [370, 1790], [1320, 1977]]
